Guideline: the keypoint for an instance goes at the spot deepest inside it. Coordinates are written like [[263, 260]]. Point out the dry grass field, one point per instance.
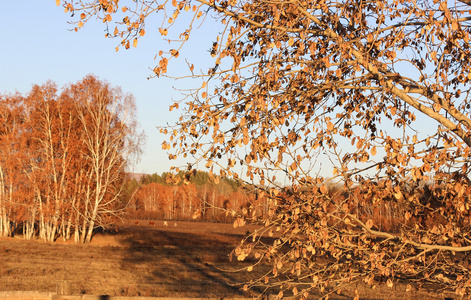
[[137, 260], [144, 260]]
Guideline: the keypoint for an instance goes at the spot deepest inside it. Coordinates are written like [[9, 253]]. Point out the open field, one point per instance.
[[139, 260], [143, 260]]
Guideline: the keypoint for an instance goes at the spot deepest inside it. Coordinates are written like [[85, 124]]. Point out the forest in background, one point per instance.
[[63, 158], [187, 196], [203, 196]]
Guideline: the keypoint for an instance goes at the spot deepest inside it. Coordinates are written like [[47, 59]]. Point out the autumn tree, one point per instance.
[[178, 197], [64, 158], [375, 91], [111, 139], [13, 204], [51, 133]]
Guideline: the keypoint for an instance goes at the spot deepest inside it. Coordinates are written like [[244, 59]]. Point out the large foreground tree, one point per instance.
[[375, 91]]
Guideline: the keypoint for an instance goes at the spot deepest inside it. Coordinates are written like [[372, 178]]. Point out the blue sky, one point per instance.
[[37, 45]]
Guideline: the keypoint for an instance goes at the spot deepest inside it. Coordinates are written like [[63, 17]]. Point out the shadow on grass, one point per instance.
[[183, 264]]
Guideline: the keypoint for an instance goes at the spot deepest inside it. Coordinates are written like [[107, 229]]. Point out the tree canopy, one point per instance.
[[377, 91], [64, 157]]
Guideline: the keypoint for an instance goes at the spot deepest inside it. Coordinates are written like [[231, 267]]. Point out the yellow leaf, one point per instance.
[[291, 42], [249, 269], [134, 43], [373, 151], [330, 126], [398, 195], [454, 25], [246, 140], [324, 189], [142, 32], [408, 215], [242, 256], [238, 223], [124, 9], [58, 2], [174, 3], [369, 223], [442, 6], [279, 265], [204, 95], [80, 24], [197, 214]]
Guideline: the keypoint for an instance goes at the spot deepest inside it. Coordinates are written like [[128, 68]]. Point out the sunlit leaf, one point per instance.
[[330, 126], [324, 189], [373, 151], [369, 223]]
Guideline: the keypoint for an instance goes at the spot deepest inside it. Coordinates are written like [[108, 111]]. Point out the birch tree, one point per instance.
[[12, 205], [111, 139], [64, 157]]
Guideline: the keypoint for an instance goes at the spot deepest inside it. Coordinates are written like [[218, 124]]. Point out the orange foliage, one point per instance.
[[163, 201], [63, 158]]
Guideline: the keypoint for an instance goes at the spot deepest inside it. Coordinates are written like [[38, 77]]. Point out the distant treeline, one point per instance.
[[168, 196], [172, 197]]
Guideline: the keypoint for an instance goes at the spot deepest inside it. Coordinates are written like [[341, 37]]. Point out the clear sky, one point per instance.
[[37, 45]]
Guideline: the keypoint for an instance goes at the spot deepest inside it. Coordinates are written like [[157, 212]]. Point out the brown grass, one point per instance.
[[145, 260], [139, 260]]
